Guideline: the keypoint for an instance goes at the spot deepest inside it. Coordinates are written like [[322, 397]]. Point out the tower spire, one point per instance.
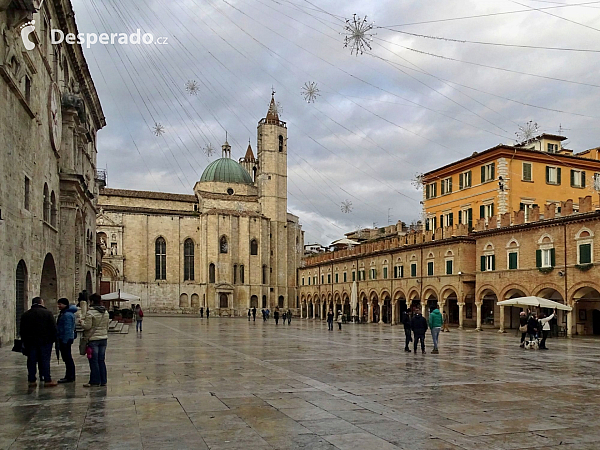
[[226, 148]]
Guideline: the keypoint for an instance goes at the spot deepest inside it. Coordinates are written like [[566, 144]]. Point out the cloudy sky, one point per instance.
[[409, 105]]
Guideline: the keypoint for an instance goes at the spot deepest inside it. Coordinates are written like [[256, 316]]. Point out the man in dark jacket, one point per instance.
[[533, 326], [419, 328], [407, 330], [38, 333], [65, 326]]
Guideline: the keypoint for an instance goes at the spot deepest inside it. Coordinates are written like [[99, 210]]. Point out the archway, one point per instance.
[[365, 309], [223, 301], [20, 295], [48, 287], [346, 310], [586, 314], [386, 309], [488, 307], [280, 301], [254, 301], [310, 309], [432, 303], [376, 314], [195, 301], [183, 301], [511, 320]]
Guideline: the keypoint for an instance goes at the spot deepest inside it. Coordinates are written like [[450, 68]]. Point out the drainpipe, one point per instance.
[[570, 313], [423, 305]]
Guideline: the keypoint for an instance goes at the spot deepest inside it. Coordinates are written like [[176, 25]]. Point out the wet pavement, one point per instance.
[[190, 383]]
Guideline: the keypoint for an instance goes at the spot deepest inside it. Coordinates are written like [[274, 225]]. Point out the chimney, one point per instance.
[[549, 211], [566, 208]]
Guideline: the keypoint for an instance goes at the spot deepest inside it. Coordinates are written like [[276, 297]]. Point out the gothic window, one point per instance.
[[160, 250], [264, 275], [20, 294], [223, 301], [235, 271], [223, 245], [280, 301], [211, 273], [46, 212], [242, 274], [53, 209], [280, 143], [253, 247], [188, 260], [26, 194]]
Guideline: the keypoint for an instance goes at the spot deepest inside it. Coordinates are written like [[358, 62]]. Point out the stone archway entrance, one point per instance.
[[586, 312], [376, 314], [487, 309], [452, 309], [254, 301], [48, 285], [365, 310], [20, 295]]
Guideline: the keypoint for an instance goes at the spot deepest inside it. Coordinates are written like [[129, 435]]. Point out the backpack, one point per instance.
[[141, 313]]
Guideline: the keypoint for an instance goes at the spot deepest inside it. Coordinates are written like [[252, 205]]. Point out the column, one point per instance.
[[393, 321], [370, 312], [478, 305], [501, 320], [460, 315], [314, 310], [381, 306], [360, 310], [570, 323], [423, 307]]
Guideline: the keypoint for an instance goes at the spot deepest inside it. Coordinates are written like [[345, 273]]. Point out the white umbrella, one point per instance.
[[122, 296], [538, 302], [354, 299]]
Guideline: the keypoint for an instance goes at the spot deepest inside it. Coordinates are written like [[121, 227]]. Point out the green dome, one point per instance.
[[226, 170]]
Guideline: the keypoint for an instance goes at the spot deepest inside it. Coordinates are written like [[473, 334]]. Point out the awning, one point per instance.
[[538, 302], [121, 296]]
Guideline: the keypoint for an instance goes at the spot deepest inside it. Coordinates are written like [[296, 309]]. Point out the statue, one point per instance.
[[12, 57]]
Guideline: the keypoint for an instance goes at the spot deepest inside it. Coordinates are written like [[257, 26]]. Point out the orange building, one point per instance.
[[508, 178]]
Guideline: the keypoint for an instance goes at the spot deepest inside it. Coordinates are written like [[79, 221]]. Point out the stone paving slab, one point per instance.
[[187, 383]]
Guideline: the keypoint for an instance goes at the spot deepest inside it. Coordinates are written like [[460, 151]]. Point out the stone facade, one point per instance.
[[467, 273], [228, 247], [50, 114]]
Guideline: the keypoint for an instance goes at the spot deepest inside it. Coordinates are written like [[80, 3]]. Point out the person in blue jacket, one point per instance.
[[65, 325]]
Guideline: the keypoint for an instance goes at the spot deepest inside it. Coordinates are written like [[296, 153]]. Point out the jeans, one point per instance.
[[523, 337], [408, 337], [138, 325], [340, 325], [289, 320], [39, 357], [420, 337], [330, 325], [97, 364], [435, 335], [67, 357]]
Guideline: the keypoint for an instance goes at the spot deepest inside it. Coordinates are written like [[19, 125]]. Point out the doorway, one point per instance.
[[596, 322]]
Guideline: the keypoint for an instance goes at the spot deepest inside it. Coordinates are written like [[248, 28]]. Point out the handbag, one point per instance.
[[18, 346], [523, 328]]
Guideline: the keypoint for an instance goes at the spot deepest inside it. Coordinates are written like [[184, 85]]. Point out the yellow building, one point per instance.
[[508, 178]]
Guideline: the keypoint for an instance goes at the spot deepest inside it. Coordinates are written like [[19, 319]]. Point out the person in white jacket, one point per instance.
[[545, 322]]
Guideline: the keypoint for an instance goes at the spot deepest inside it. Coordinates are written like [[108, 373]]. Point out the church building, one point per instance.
[[229, 246]]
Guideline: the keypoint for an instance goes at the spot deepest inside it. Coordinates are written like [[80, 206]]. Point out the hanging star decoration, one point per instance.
[[417, 181], [158, 129], [208, 150], [310, 91], [346, 206], [527, 132], [192, 87], [358, 35]]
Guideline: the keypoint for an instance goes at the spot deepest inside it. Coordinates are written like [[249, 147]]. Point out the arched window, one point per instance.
[[280, 301], [264, 274], [235, 271], [211, 273], [188, 260], [223, 245], [46, 213], [223, 301], [280, 143], [253, 247], [242, 274], [20, 295], [264, 301], [160, 251], [53, 209], [254, 301]]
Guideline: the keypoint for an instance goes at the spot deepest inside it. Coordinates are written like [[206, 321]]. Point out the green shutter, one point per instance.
[[483, 263], [459, 217], [470, 219], [583, 178], [585, 253], [552, 257], [538, 258], [512, 260], [572, 178], [413, 270], [401, 271], [547, 174], [441, 221], [493, 262], [558, 175], [450, 185], [442, 187], [493, 171], [460, 181], [353, 276], [451, 219], [449, 267], [482, 212], [385, 274], [483, 174], [492, 210], [430, 268], [469, 179]]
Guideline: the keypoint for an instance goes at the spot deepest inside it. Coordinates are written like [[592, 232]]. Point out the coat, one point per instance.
[[435, 319], [533, 325], [546, 322], [65, 324], [97, 317], [38, 327], [418, 324], [406, 322], [136, 313], [330, 317]]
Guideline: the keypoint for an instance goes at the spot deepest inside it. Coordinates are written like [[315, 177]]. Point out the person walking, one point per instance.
[[407, 331], [139, 316], [330, 320], [339, 320], [254, 314], [249, 314], [264, 314], [445, 318], [418, 324], [284, 317], [523, 327], [435, 324], [95, 330], [207, 312], [65, 328], [202, 312], [276, 316], [533, 326], [38, 335], [545, 322], [289, 316]]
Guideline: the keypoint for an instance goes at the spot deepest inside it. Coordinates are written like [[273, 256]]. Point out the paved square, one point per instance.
[[190, 383]]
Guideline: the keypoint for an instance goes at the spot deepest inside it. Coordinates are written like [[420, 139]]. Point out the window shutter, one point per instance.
[[482, 212], [401, 271], [434, 223], [450, 185], [470, 217], [512, 260], [492, 210], [572, 178], [493, 171], [538, 258], [483, 263], [552, 257], [434, 189], [583, 178], [448, 267], [468, 181], [442, 187], [441, 220], [459, 217], [547, 174], [451, 219], [521, 206], [395, 271], [585, 253], [482, 174], [558, 175], [493, 262], [426, 224], [460, 181]]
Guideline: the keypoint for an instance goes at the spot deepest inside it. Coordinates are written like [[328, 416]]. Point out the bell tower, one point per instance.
[[272, 192]]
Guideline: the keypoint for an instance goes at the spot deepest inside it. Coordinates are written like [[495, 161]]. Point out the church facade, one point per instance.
[[229, 246]]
